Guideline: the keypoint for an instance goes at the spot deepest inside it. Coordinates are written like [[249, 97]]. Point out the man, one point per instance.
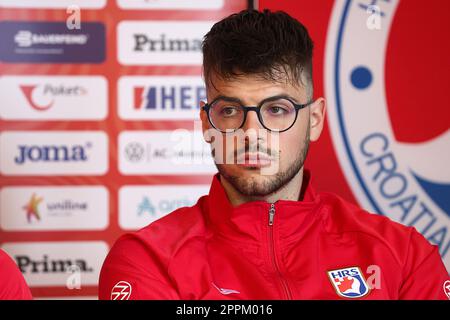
[[12, 283], [262, 232]]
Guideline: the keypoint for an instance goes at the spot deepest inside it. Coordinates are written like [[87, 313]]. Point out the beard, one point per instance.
[[263, 185]]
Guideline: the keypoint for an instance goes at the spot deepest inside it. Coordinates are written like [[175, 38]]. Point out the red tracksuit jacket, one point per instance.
[[319, 248], [12, 283]]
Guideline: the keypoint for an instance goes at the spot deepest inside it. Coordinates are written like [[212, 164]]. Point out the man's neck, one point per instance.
[[290, 191]]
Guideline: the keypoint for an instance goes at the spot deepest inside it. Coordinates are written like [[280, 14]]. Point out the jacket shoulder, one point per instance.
[[143, 258], [167, 234], [344, 217]]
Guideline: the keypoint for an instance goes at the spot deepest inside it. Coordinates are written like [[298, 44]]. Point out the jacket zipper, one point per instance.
[[272, 252]]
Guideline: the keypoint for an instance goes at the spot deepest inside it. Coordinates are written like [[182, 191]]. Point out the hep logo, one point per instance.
[[121, 291]]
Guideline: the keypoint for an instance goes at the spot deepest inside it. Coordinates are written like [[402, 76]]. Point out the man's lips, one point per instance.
[[255, 160]]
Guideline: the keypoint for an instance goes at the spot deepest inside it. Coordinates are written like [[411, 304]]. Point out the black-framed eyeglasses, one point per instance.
[[277, 113]]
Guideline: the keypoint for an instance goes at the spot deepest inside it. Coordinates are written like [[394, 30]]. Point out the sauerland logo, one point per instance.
[[51, 263], [171, 4], [53, 97], [53, 4], [141, 205], [38, 208], [52, 42], [403, 176], [161, 43], [160, 97], [53, 152]]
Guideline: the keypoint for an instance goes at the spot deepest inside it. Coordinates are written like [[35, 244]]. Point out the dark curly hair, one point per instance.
[[272, 45]]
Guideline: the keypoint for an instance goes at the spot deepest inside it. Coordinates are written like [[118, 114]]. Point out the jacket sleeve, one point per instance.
[[12, 282], [425, 273], [131, 273]]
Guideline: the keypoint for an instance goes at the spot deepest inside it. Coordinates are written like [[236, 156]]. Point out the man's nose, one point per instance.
[[252, 121]]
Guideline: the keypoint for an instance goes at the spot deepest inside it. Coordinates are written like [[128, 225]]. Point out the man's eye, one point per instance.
[[229, 111], [277, 110]]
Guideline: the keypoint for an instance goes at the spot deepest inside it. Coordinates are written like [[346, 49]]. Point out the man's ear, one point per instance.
[[317, 118], [205, 122]]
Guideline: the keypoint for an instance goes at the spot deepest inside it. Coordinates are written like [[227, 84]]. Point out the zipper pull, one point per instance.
[[271, 213]]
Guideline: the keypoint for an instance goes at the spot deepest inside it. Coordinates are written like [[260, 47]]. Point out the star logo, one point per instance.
[[32, 209]]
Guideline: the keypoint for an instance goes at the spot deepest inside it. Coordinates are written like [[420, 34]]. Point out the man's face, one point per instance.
[[262, 149]]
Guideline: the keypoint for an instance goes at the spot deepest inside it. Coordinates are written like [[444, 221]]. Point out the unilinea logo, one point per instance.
[[41, 98], [32, 209], [52, 153]]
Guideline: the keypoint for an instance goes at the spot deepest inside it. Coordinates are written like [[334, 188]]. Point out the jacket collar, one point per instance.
[[249, 221]]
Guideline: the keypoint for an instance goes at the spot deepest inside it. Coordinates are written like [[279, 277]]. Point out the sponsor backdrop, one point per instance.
[[97, 133], [88, 118]]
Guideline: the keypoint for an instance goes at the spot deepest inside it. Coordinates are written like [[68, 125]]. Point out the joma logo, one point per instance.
[[51, 153]]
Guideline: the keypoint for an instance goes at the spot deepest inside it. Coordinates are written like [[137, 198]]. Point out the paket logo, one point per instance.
[[49, 263], [161, 43], [53, 97], [28, 92], [53, 4], [160, 97], [53, 152], [394, 154], [42, 42], [40, 208], [171, 4]]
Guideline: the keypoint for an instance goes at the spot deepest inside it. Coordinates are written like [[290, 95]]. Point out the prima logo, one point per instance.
[[52, 263], [171, 4], [163, 42], [27, 264], [143, 43], [52, 153]]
